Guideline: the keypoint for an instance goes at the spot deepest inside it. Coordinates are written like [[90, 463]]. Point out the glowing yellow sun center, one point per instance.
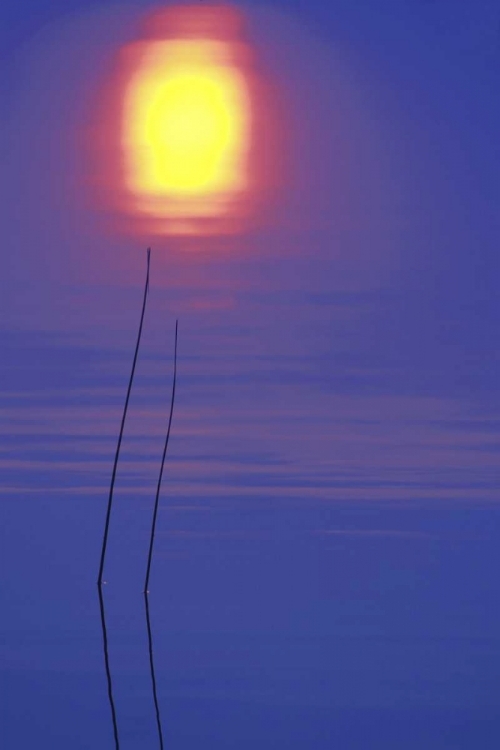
[[185, 127]]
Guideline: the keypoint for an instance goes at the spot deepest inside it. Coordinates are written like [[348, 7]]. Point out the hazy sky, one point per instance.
[[326, 569]]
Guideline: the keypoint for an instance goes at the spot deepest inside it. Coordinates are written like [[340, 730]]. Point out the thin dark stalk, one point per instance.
[[152, 669], [108, 671], [118, 446], [157, 500]]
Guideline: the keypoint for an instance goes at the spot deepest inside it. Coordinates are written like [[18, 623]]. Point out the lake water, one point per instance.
[[326, 564]]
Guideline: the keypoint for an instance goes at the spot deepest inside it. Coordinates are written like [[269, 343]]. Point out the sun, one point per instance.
[[187, 136], [186, 122], [186, 128]]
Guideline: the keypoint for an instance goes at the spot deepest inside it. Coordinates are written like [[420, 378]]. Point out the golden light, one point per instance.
[[186, 129], [186, 140]]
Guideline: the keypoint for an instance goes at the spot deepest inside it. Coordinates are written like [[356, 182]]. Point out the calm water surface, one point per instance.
[[325, 571]]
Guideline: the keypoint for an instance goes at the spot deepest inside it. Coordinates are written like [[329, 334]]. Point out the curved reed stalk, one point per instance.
[[120, 436], [158, 488]]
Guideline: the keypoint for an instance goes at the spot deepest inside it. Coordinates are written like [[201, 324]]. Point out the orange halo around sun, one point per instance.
[[186, 113]]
